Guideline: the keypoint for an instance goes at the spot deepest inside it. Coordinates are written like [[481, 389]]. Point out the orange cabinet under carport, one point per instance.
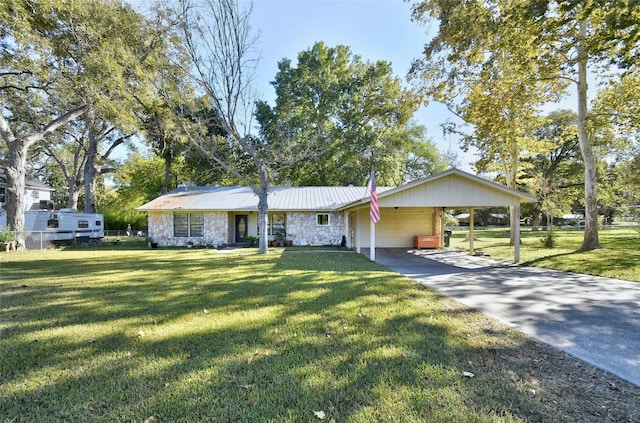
[[426, 241]]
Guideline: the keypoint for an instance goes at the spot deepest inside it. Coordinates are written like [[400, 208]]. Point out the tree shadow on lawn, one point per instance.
[[288, 339], [596, 262]]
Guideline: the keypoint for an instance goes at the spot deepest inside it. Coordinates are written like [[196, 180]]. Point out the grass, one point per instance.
[[123, 333], [618, 258]]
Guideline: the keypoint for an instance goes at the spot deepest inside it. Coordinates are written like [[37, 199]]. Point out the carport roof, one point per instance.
[[452, 188]]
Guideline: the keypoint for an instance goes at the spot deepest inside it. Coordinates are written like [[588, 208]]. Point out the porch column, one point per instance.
[[347, 229], [358, 231], [471, 235], [516, 234], [442, 227]]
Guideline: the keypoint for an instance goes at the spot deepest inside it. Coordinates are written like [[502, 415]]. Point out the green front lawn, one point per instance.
[[619, 256], [124, 333]]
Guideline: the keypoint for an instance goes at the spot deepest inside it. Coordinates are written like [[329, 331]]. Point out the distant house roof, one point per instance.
[[243, 198], [572, 216], [29, 183]]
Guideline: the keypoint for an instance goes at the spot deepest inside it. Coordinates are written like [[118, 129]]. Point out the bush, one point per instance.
[[7, 236], [549, 241]]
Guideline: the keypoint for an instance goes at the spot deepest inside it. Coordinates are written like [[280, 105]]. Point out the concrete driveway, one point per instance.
[[592, 318]]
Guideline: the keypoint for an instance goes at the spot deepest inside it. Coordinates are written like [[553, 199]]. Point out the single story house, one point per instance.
[[214, 216]]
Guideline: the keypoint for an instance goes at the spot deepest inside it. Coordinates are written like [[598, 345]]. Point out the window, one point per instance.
[[35, 194], [322, 219], [53, 223], [83, 224], [277, 224], [196, 225], [188, 225], [3, 195]]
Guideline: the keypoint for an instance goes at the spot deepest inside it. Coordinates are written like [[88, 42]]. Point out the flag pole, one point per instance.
[[372, 254]]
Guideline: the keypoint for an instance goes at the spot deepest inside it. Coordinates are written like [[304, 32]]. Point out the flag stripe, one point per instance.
[[375, 207]]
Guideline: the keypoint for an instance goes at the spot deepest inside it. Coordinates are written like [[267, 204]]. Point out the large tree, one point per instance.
[[60, 63], [66, 151], [138, 180], [348, 115], [617, 103], [221, 47], [482, 73], [31, 70], [561, 37], [554, 172]]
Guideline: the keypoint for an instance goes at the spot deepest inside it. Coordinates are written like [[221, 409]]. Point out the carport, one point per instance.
[[417, 209]]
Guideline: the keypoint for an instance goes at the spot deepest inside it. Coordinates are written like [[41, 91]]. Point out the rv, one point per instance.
[[63, 226]]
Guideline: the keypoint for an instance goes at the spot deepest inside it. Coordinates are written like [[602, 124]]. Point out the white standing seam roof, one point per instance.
[[243, 198], [238, 198]]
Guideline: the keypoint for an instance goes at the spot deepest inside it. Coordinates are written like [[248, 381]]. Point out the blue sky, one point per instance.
[[373, 29]]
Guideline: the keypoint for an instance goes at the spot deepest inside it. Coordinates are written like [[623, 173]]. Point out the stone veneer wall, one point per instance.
[[216, 230], [302, 229]]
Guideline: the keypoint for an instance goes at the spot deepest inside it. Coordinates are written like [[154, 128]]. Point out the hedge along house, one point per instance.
[[215, 216]]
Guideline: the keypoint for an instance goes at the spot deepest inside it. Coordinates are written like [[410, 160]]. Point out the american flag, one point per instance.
[[374, 213]]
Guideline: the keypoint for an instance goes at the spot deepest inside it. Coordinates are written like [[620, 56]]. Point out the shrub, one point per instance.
[[7, 236]]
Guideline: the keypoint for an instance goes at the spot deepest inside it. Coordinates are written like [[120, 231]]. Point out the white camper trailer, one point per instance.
[[63, 226]]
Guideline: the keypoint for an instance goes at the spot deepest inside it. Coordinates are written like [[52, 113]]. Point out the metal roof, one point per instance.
[[305, 198], [243, 198], [522, 196]]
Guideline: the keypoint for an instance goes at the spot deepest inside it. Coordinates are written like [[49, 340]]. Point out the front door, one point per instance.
[[242, 224]]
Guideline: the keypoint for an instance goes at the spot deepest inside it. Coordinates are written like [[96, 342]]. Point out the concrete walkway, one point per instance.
[[594, 319]]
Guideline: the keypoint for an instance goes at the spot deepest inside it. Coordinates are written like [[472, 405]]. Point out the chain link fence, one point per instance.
[[40, 240]]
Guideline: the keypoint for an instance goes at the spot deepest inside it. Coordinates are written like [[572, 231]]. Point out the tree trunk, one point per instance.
[[511, 175], [590, 240], [74, 194], [167, 172], [91, 171], [16, 174], [535, 221], [263, 209]]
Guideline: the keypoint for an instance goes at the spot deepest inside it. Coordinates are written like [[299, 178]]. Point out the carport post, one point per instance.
[[516, 234], [471, 235], [442, 228]]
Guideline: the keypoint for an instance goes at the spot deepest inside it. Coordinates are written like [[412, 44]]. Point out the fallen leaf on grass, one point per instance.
[[251, 402], [319, 414], [140, 333], [468, 374], [255, 354], [151, 420], [91, 340]]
